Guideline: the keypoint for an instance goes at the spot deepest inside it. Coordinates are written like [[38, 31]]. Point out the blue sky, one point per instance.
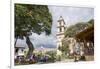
[[71, 15]]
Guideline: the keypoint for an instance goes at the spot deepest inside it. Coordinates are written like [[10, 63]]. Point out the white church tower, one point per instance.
[[61, 28]]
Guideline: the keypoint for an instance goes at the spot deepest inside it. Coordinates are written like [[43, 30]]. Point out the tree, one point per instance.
[[31, 18], [91, 22], [74, 29]]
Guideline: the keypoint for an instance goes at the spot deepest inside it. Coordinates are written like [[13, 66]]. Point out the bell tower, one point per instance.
[[60, 33]]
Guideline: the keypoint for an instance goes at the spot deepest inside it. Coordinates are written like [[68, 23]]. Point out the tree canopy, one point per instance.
[[35, 18], [74, 29]]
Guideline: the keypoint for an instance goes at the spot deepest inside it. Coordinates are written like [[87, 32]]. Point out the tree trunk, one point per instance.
[[30, 46], [15, 42]]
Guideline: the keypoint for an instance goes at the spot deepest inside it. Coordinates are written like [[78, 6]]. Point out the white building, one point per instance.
[[20, 51], [60, 33]]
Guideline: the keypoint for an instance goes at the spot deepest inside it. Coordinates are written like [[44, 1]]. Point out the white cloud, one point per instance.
[[43, 40]]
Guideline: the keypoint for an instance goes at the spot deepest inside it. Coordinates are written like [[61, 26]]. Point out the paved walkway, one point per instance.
[[66, 60]]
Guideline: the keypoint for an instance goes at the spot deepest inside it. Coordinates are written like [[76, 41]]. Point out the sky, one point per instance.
[[71, 15]]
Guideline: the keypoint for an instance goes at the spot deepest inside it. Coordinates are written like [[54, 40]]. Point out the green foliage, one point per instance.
[[35, 18], [91, 22], [52, 55], [64, 48], [74, 29]]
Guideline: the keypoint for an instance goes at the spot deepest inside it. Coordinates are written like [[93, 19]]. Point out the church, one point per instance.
[[81, 44]]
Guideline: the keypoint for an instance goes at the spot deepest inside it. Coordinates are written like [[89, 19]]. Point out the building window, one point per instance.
[[60, 29]]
